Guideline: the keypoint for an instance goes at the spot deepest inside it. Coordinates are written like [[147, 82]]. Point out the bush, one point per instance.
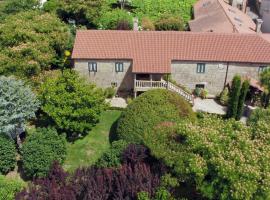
[[242, 98], [147, 24], [72, 103], [9, 187], [112, 157], [111, 19], [41, 149], [234, 97], [124, 182], [110, 92], [224, 96], [222, 157], [123, 25], [7, 154], [150, 109], [169, 23]]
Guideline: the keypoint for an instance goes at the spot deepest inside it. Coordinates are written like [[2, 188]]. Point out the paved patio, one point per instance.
[[209, 106]]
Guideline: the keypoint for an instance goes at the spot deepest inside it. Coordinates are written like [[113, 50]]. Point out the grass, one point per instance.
[[86, 151]]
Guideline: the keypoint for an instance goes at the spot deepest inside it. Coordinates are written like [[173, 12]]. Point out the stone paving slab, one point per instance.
[[209, 106], [117, 102]]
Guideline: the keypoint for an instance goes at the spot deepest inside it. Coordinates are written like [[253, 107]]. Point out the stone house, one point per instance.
[[134, 61]]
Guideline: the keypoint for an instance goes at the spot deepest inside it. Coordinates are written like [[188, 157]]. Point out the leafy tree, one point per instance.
[[84, 12], [111, 19], [7, 154], [17, 105], [72, 103], [31, 42], [149, 110], [227, 161], [41, 149], [15, 6], [242, 98], [234, 97], [9, 188]]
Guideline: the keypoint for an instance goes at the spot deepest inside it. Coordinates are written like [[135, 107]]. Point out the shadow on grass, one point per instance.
[[113, 135]]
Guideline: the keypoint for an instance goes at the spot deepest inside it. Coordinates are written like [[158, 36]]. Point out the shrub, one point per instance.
[[123, 25], [41, 149], [111, 19], [224, 96], [7, 154], [234, 97], [143, 196], [124, 182], [9, 187], [72, 103], [149, 110], [203, 93], [112, 157], [242, 98], [169, 23], [110, 92], [147, 24]]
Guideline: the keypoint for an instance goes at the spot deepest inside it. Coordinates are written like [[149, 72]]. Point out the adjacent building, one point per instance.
[[218, 16], [134, 61]]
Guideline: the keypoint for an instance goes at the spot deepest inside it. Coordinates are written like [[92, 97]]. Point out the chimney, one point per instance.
[[259, 25], [135, 24]]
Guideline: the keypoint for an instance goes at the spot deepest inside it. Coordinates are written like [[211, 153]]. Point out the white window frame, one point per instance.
[[200, 68], [119, 67], [92, 66]]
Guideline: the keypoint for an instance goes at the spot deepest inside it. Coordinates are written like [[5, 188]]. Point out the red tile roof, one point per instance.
[[218, 16], [153, 51]]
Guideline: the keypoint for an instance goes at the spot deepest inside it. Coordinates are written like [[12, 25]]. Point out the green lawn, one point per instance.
[[84, 152]]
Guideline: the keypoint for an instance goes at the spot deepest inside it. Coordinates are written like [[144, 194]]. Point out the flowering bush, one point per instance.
[[224, 158]]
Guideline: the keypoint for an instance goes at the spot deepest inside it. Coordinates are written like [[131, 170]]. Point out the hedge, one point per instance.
[[150, 109], [7, 154]]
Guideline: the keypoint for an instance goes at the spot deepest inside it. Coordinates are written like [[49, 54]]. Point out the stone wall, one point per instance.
[[185, 73], [106, 74]]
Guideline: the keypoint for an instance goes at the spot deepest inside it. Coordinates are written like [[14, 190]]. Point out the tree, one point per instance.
[[17, 105], [7, 154], [84, 12], [225, 158], [31, 42], [151, 109], [234, 97], [72, 103], [15, 6], [41, 149], [242, 98], [265, 81]]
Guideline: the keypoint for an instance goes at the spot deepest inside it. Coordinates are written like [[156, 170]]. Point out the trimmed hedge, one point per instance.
[[150, 109], [41, 149], [7, 154]]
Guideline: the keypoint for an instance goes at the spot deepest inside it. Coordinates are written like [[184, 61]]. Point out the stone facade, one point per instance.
[[183, 72], [106, 75], [213, 79]]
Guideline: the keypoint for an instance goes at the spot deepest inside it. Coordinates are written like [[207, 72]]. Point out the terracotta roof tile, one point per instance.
[[153, 51]]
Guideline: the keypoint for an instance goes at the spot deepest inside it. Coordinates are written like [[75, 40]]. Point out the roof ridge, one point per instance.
[[234, 27]]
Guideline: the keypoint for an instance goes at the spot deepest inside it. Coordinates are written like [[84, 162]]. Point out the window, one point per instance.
[[262, 68], [92, 67], [201, 68], [200, 86], [119, 67]]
